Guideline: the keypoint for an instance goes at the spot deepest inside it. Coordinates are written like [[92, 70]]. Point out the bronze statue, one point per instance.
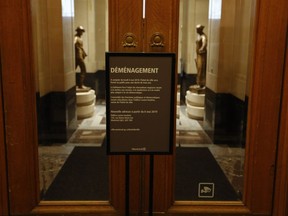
[[80, 55], [201, 59]]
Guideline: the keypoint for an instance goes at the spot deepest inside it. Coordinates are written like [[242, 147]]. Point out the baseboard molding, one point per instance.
[[57, 118], [225, 118]]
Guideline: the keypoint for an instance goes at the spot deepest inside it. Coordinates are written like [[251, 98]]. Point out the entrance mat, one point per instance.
[[84, 176], [199, 177]]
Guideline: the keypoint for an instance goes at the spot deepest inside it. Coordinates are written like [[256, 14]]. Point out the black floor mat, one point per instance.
[[199, 177], [84, 176]]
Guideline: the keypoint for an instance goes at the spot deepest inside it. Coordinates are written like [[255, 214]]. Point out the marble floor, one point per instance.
[[91, 132]]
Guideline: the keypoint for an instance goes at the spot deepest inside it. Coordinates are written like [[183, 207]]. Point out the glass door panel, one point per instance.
[[70, 40], [215, 46]]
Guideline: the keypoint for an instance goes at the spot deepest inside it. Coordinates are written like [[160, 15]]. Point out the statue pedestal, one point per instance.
[[85, 100], [195, 99], [197, 89], [84, 89]]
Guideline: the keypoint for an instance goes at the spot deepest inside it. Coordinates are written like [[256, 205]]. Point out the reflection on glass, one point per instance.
[[71, 125], [211, 123]]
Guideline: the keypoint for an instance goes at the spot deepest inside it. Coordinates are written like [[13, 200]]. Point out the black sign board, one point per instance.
[[140, 103]]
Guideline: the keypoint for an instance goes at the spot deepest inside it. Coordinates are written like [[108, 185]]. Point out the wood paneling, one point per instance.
[[163, 182], [3, 170], [162, 17], [125, 20], [281, 188], [19, 105], [117, 180], [125, 17], [265, 98]]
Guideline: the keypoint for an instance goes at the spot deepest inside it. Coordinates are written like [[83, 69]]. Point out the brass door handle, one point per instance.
[[129, 40], [157, 40]]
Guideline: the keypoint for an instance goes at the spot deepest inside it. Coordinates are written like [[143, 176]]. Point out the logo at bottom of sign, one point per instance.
[[206, 190]]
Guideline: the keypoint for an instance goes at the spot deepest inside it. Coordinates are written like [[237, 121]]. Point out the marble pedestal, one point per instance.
[[85, 103], [195, 99]]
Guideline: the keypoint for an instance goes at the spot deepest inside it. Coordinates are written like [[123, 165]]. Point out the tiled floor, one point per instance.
[[91, 132]]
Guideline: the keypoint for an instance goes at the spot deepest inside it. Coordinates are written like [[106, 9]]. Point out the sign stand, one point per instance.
[[127, 187], [151, 185], [127, 181], [140, 99]]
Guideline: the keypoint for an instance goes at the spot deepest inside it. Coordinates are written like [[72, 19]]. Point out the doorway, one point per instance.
[[251, 137], [197, 131]]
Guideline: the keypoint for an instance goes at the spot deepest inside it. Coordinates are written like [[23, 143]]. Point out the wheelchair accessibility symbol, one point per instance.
[[206, 190]]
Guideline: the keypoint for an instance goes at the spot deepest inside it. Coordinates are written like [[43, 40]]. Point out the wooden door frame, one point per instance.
[[21, 129], [281, 186], [3, 168], [19, 105]]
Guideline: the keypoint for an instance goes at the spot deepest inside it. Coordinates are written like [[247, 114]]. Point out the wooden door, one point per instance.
[[18, 97], [133, 30], [156, 39], [263, 122], [125, 30]]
